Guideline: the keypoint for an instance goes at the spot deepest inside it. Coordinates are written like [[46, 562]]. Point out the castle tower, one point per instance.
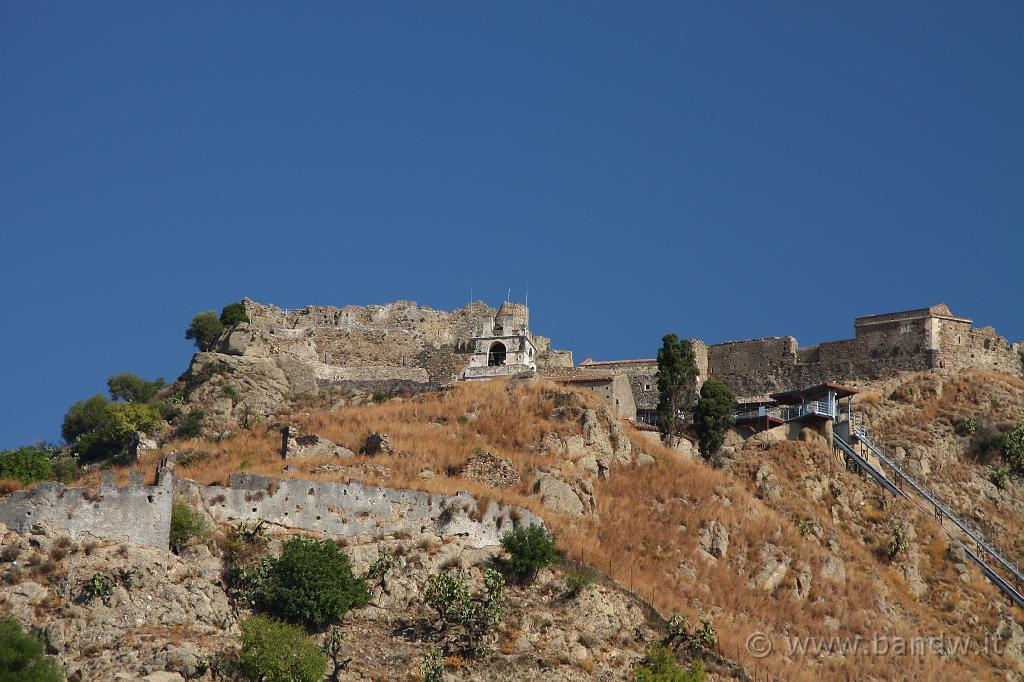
[[504, 346]]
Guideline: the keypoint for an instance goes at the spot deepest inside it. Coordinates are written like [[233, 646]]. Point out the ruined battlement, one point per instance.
[[136, 513], [141, 514], [883, 346]]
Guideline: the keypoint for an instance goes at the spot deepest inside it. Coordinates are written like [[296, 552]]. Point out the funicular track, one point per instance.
[[1003, 573]]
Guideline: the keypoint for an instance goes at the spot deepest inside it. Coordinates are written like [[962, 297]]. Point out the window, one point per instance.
[[647, 387]]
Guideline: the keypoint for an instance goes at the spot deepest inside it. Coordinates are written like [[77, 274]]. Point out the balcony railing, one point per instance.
[[818, 408]]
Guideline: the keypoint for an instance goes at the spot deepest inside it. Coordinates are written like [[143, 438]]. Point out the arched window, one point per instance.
[[496, 356]]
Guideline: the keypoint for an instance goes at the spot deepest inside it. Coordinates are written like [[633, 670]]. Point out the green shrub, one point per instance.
[[167, 410], [897, 543], [231, 393], [133, 389], [713, 416], [205, 329], [659, 665], [198, 377], [28, 465], [232, 314], [22, 658], [187, 522], [113, 434], [448, 594], [1013, 449], [530, 549], [83, 417], [273, 651], [65, 470], [578, 580], [967, 426], [987, 443], [432, 667], [99, 587], [192, 425], [310, 583], [999, 475]]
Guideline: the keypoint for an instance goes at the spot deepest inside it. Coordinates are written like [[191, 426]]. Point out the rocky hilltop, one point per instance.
[[279, 355], [345, 425]]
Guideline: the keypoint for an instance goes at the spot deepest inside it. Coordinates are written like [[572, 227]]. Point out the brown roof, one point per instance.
[[795, 396]]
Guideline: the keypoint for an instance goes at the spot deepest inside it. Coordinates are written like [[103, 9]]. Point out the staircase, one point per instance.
[[992, 563]]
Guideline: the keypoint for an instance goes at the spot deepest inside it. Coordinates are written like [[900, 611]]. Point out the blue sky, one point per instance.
[[722, 170]]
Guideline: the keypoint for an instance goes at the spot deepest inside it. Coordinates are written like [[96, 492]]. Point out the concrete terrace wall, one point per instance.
[[355, 508], [135, 513]]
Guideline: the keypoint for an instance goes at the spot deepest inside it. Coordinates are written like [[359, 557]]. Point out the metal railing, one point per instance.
[[819, 408], [941, 510]]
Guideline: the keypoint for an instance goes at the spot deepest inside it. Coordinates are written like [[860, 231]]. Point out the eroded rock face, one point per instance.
[[558, 496], [157, 615], [713, 539], [167, 618]]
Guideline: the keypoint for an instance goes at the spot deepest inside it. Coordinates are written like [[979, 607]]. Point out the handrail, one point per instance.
[[941, 508], [861, 433], [789, 412], [1008, 589], [866, 466]]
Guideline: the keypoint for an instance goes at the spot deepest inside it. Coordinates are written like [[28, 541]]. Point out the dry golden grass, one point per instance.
[[648, 518], [9, 485]]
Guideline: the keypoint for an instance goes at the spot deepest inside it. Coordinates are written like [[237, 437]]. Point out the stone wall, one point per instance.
[[982, 348], [355, 508], [396, 348], [614, 389], [135, 513], [750, 367], [642, 376], [141, 514], [883, 346]]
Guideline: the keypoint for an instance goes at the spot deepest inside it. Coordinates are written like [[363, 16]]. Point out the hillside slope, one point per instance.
[[782, 543]]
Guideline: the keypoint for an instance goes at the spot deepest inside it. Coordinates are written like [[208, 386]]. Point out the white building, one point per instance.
[[504, 346]]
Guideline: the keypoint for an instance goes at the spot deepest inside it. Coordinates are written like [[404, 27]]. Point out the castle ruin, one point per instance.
[[402, 347], [883, 345]]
